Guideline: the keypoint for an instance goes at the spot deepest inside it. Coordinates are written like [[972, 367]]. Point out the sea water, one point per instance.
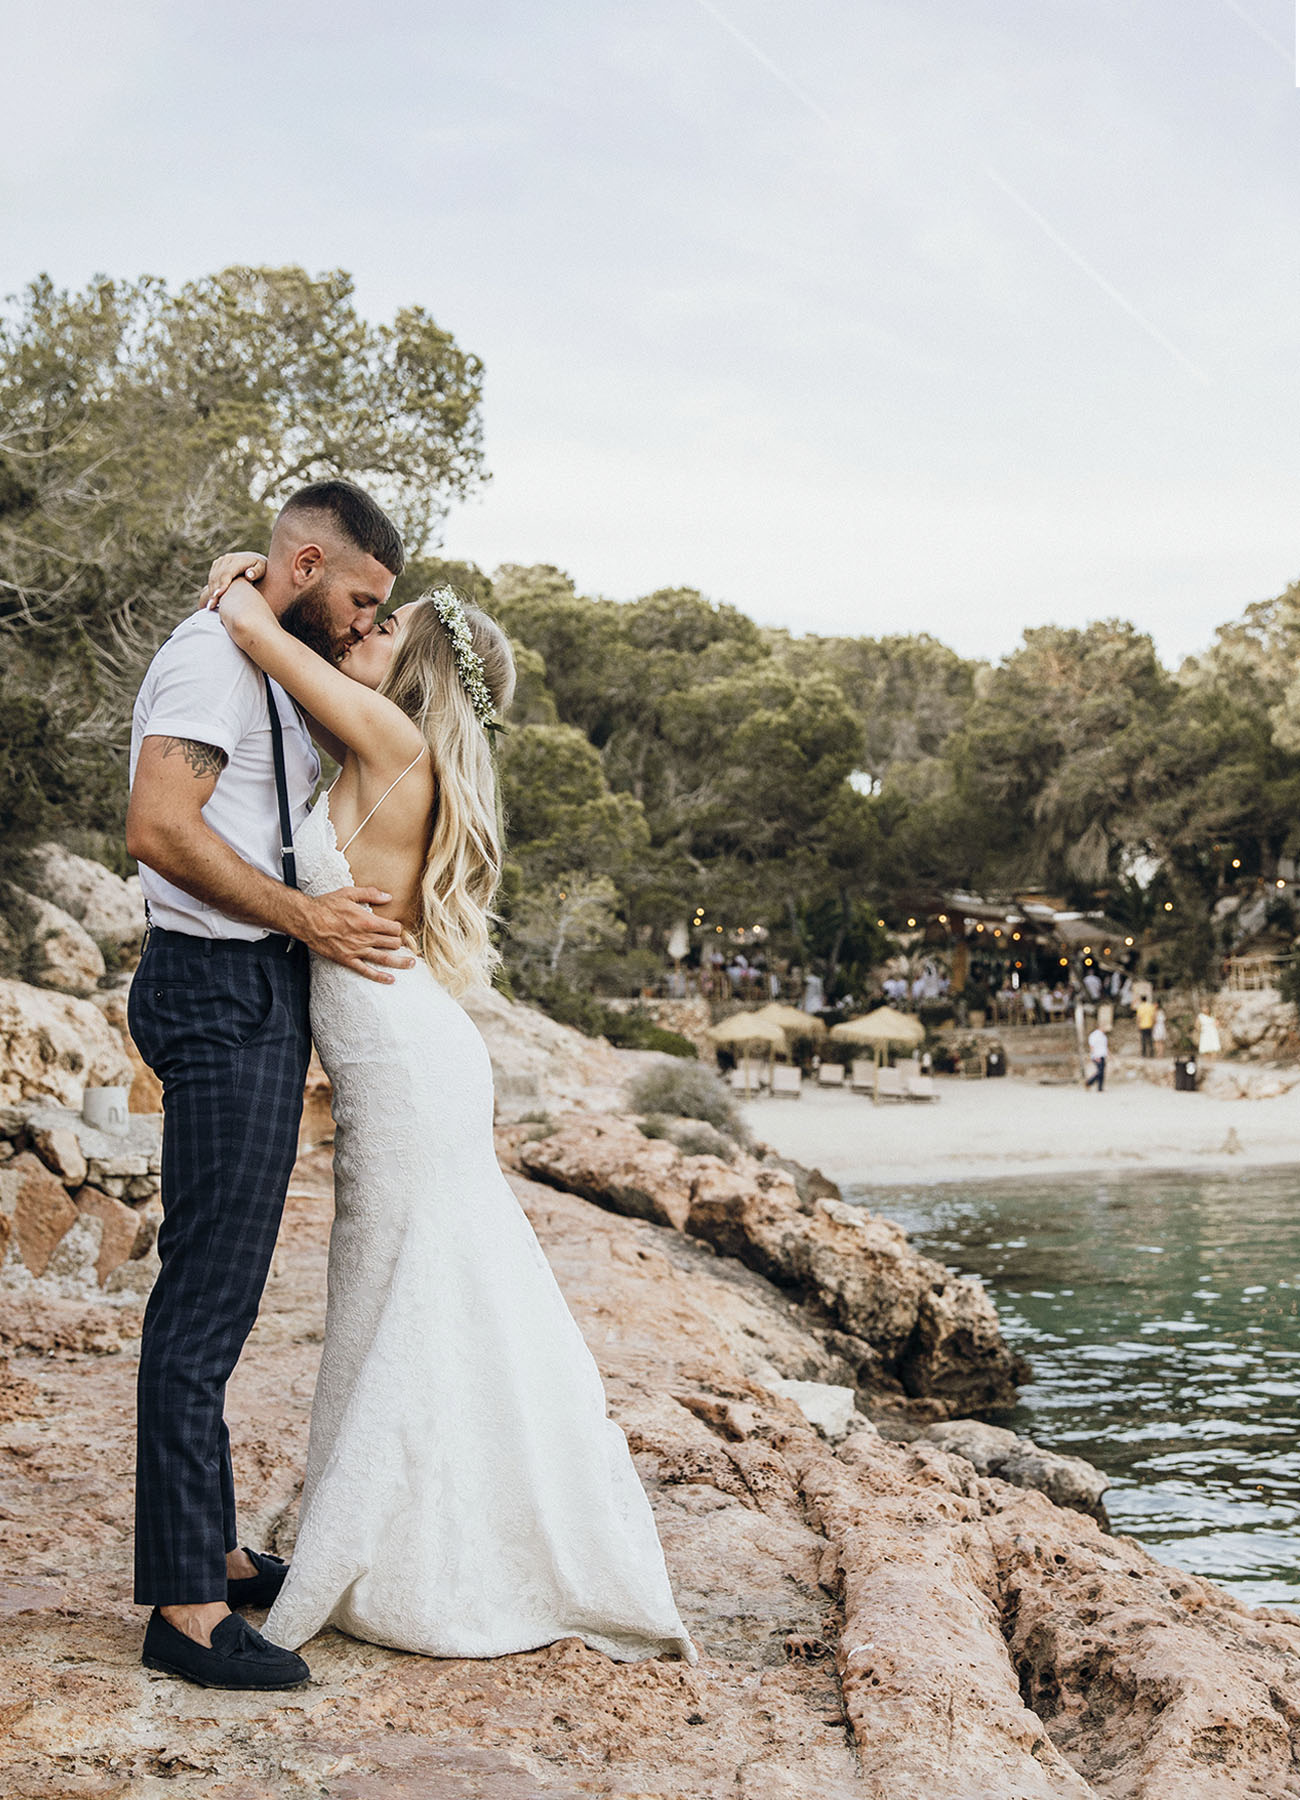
[[1161, 1317]]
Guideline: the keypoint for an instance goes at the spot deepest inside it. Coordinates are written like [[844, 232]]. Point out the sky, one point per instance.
[[864, 316]]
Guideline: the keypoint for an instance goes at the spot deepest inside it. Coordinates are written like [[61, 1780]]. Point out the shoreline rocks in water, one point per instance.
[[909, 1334], [1066, 1480]]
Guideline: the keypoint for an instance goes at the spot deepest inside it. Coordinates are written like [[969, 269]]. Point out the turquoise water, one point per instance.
[[1161, 1317]]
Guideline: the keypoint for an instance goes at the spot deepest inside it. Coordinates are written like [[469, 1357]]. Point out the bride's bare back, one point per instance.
[[384, 823]]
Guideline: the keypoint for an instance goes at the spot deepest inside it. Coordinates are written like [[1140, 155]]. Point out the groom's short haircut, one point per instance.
[[356, 517]]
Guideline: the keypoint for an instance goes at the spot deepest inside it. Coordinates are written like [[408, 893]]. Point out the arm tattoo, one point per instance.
[[204, 759]]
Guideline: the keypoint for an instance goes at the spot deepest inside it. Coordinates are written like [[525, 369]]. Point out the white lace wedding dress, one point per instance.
[[466, 1494]]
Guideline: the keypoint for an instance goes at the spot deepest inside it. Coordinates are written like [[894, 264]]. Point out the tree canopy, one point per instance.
[[141, 429]]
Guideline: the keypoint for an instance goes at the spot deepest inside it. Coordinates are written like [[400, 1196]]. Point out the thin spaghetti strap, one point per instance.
[[378, 803]]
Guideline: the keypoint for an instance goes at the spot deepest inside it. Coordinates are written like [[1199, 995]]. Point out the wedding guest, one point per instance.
[[1098, 1049]]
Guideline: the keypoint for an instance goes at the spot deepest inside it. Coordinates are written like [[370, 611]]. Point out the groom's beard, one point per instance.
[[308, 619]]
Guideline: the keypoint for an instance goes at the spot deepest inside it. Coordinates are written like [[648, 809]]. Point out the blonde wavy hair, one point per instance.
[[462, 866]]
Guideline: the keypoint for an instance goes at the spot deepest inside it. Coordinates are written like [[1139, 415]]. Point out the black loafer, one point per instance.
[[239, 1657], [260, 1589]]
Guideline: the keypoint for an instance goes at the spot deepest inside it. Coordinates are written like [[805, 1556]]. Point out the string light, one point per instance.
[[1169, 906]]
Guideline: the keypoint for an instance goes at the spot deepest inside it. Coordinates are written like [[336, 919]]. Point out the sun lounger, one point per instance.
[[890, 1084], [920, 1087], [788, 1080], [830, 1075], [862, 1076]]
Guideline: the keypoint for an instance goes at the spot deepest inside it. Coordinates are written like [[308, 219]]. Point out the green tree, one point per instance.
[[144, 429]]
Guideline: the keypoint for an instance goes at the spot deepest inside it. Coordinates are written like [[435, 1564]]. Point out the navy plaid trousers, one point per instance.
[[224, 1025]]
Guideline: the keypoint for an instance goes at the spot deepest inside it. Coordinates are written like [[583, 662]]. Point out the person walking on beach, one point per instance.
[[1098, 1049], [1159, 1031], [1146, 1011]]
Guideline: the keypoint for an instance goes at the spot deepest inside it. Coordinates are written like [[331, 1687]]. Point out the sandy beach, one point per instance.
[[981, 1130]]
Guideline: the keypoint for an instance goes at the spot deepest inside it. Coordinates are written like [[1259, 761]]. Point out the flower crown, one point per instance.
[[450, 608]]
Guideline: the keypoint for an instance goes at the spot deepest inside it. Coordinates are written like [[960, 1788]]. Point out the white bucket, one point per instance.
[[105, 1108]]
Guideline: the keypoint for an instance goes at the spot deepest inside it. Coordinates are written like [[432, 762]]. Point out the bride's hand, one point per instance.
[[227, 569], [245, 614]]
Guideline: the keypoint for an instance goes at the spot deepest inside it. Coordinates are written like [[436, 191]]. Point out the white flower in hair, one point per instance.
[[450, 608]]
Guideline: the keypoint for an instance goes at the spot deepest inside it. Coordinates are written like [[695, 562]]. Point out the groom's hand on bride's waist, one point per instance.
[[342, 927]]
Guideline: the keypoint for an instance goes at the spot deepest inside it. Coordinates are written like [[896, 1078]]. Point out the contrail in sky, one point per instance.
[[1094, 275], [772, 69], [1259, 30]]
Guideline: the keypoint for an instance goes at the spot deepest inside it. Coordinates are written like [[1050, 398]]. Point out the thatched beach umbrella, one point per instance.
[[746, 1029], [791, 1020], [881, 1030]]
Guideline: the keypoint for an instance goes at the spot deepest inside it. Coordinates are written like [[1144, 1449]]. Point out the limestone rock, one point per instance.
[[110, 909], [610, 1163], [58, 1149], [56, 951], [539, 1064], [134, 1278], [39, 1208], [121, 1230], [830, 1410], [53, 1046], [935, 1334], [1248, 1081], [1066, 1480]]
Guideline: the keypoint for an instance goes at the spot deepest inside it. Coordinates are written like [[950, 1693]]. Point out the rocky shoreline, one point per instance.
[[891, 1596]]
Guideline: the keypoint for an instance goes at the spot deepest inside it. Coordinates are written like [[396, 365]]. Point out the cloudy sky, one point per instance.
[[954, 316]]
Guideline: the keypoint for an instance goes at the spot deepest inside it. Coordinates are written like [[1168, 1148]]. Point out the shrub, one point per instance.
[[692, 1136], [634, 1030], [688, 1092], [1288, 982]]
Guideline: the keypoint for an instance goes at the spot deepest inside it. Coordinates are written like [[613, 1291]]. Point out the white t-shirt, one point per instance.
[[1097, 1045], [201, 686]]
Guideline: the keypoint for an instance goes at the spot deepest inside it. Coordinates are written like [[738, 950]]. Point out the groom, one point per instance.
[[219, 1009]]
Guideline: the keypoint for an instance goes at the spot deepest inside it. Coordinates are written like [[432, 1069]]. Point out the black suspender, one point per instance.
[[281, 789]]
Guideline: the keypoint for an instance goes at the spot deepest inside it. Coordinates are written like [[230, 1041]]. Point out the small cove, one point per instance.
[[1161, 1316]]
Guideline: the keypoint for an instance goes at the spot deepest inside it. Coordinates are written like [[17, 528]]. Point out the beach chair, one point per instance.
[[920, 1087], [890, 1084], [830, 1075], [787, 1079], [736, 1081], [862, 1076]]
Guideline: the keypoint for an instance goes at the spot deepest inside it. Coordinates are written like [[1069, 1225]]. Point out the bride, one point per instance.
[[465, 1494]]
